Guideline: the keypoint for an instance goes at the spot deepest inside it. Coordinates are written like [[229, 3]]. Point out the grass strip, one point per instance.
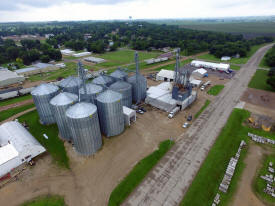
[[258, 81], [215, 90], [13, 111], [50, 200], [137, 174], [206, 103], [14, 100]]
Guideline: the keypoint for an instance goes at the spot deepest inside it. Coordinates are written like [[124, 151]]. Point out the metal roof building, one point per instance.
[[129, 115], [211, 65], [8, 77], [17, 146], [36, 69]]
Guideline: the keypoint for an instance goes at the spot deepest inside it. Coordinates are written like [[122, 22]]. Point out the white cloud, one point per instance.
[[47, 10]]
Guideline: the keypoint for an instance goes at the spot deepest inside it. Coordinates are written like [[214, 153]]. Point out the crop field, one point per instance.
[[46, 201], [206, 183], [243, 27], [258, 81], [13, 111], [241, 60], [124, 56], [137, 174], [259, 184], [53, 145]]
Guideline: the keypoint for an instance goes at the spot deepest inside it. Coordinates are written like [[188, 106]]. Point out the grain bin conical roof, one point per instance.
[[70, 81], [103, 80], [81, 110], [109, 96], [120, 85], [119, 74], [63, 98], [44, 89], [91, 89]]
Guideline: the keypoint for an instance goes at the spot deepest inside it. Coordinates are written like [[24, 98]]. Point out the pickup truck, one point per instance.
[[173, 112]]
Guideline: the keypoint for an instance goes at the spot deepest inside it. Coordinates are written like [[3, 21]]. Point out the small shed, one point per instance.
[[165, 75], [129, 115], [199, 73], [225, 58]]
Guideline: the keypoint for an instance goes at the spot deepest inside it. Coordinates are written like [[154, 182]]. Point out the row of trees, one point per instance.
[[270, 57], [30, 51]]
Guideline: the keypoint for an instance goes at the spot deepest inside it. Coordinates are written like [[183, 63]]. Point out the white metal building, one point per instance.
[[82, 54], [199, 73], [165, 75], [210, 65], [8, 77], [36, 69], [129, 115], [156, 60], [17, 146], [225, 58], [94, 60], [67, 52]]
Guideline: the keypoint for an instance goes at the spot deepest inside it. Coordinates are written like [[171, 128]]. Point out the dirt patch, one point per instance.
[[260, 98], [244, 195], [18, 104]]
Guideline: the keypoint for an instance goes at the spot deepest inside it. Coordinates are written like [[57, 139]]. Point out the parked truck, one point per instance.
[[173, 112]]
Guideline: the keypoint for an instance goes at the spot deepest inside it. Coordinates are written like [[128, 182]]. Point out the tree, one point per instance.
[[45, 58], [271, 81]]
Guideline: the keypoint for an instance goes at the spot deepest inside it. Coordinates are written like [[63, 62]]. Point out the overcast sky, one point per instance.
[[49, 10]]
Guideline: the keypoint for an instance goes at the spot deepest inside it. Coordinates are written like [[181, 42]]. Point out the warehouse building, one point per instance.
[[67, 52], [36, 69], [211, 65], [17, 146], [82, 54], [200, 73], [94, 60], [8, 77], [165, 75]]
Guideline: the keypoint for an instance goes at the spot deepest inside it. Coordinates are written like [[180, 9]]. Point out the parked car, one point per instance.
[[140, 111], [185, 125], [202, 88], [143, 109], [189, 118]]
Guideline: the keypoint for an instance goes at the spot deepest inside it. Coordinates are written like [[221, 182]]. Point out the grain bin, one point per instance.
[[110, 113], [125, 89], [41, 96], [119, 75], [92, 91], [103, 80], [84, 123], [59, 105], [139, 87], [70, 84]]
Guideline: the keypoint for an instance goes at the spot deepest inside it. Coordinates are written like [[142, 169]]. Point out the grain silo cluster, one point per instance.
[[83, 111]]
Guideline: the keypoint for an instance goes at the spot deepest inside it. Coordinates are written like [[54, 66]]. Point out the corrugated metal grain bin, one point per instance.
[[103, 80], [70, 84], [84, 123], [125, 89], [60, 103], [119, 75], [42, 96], [110, 113], [93, 90], [139, 87]]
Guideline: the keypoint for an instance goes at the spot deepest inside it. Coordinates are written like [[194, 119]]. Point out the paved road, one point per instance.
[[167, 183]]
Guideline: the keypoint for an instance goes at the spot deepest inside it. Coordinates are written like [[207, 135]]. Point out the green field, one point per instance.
[[259, 184], [207, 102], [137, 174], [13, 111], [124, 56], [241, 60], [263, 64], [14, 100], [172, 66], [70, 69], [235, 67], [53, 145], [46, 201], [206, 183], [258, 81], [243, 27], [215, 90]]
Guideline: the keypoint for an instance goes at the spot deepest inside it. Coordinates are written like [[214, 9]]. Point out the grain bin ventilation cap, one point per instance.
[[91, 89], [44, 89], [81, 110], [109, 96], [64, 98]]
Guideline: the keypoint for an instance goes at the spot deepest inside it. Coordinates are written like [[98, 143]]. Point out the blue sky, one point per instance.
[[49, 10]]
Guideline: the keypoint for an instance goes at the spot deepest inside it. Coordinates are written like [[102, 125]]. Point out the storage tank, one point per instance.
[[119, 75], [125, 89], [93, 90], [103, 80], [84, 123], [71, 84], [110, 113], [59, 105], [42, 96], [139, 87]]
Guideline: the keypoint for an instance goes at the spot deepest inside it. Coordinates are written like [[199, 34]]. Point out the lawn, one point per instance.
[[172, 66], [215, 90], [13, 111], [137, 174], [263, 64], [241, 60], [207, 102], [235, 67], [46, 201], [206, 183], [70, 69], [124, 56], [258, 81], [259, 184], [53, 145], [14, 100]]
